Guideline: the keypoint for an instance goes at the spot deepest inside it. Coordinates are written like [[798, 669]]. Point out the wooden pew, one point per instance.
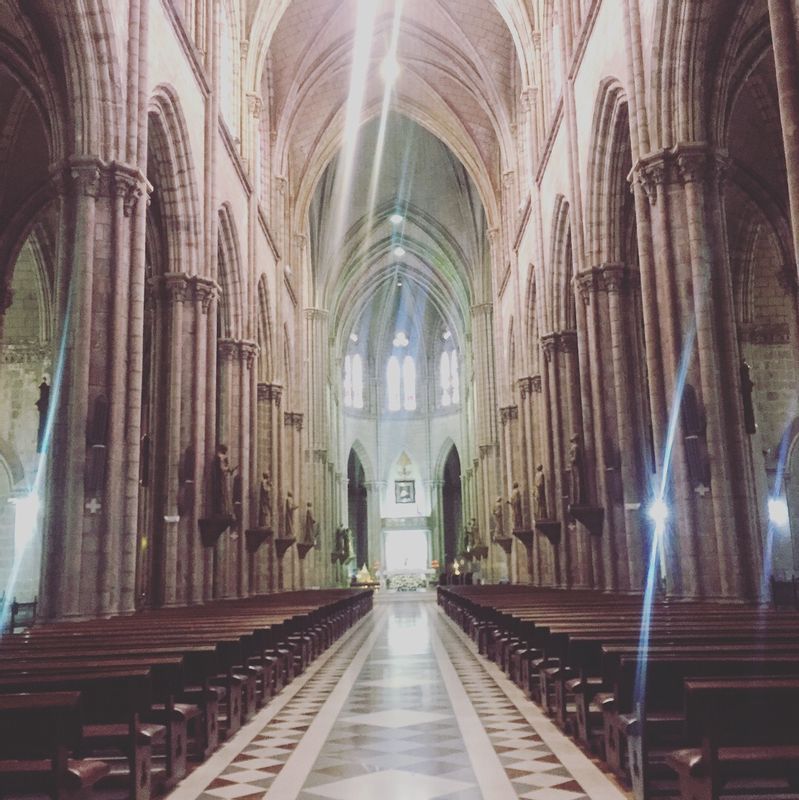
[[113, 703], [747, 736], [38, 733]]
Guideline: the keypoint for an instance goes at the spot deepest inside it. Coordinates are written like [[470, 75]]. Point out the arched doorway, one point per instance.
[[357, 508], [452, 513]]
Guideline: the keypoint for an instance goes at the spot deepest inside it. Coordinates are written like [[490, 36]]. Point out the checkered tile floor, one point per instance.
[[534, 770], [396, 736]]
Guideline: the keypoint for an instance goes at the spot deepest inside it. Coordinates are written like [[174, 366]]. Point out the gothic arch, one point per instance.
[[561, 312], [264, 324], [608, 192], [13, 464], [231, 302], [443, 456], [357, 447], [174, 178], [532, 323]]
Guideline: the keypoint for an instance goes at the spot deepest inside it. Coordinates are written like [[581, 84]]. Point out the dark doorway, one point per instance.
[[452, 505], [357, 509]]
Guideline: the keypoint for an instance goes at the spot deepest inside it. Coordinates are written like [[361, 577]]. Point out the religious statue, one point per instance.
[[340, 543], [515, 503], [265, 501], [468, 542], [350, 547], [475, 530], [746, 395], [540, 493], [288, 524], [309, 528], [43, 404], [576, 471], [221, 498], [497, 514]]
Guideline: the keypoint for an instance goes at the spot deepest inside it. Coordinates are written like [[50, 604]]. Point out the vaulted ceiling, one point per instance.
[[459, 76]]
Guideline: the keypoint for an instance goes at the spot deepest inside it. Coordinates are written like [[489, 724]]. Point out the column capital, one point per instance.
[[293, 419], [87, 176], [227, 349], [559, 341], [131, 186], [316, 313], [174, 287], [528, 97], [651, 173], [609, 277], [206, 291], [270, 392], [508, 413], [482, 309], [248, 350], [255, 104], [587, 284], [529, 385]]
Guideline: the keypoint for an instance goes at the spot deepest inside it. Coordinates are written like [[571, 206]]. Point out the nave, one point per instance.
[[401, 708]]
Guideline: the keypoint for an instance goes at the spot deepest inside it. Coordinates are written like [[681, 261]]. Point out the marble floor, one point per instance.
[[401, 708]]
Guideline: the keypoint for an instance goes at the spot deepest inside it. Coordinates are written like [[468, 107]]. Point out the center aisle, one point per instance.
[[401, 709]]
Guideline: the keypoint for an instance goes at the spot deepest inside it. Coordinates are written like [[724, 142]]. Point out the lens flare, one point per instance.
[[778, 512]]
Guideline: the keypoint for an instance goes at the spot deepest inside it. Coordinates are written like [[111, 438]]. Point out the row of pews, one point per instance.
[[121, 707], [707, 704]]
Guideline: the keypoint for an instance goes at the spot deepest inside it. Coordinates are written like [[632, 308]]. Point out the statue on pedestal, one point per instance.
[[221, 497], [265, 501], [340, 543], [515, 503], [497, 514], [747, 386], [43, 404], [475, 531], [288, 518], [576, 471], [309, 528], [541, 511]]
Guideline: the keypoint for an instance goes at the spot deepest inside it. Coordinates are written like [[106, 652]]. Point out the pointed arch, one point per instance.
[[265, 323], [357, 447], [561, 311], [231, 302], [173, 178], [610, 162], [531, 320]]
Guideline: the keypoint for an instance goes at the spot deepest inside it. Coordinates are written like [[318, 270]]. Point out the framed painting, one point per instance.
[[405, 491]]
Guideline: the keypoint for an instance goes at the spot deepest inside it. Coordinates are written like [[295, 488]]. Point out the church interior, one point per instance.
[[399, 397]]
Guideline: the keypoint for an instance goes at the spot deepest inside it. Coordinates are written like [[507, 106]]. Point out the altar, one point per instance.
[[407, 558]]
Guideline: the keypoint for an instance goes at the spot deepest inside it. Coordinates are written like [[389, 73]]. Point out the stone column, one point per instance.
[[437, 546], [174, 290], [736, 522], [486, 418], [84, 493], [509, 416], [263, 566], [317, 350], [604, 552], [374, 533], [784, 21], [205, 297], [621, 286], [247, 352], [225, 550], [560, 557]]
